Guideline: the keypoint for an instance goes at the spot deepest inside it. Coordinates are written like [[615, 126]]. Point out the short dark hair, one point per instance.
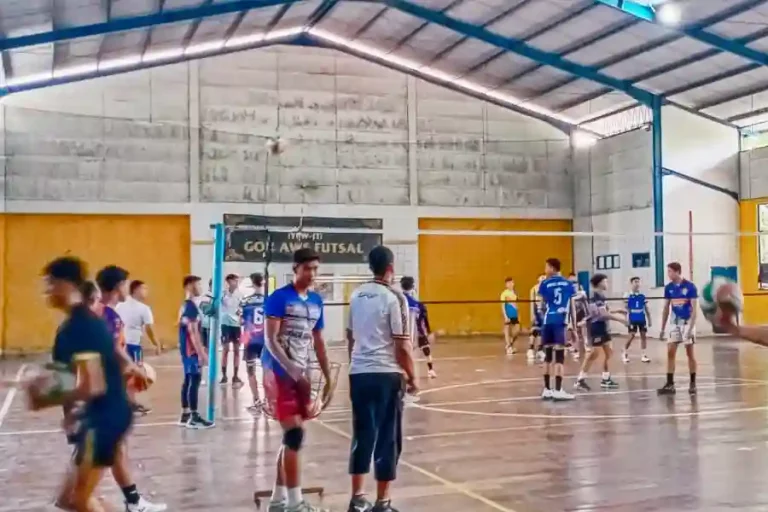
[[379, 259], [231, 277], [305, 255], [633, 279], [89, 289], [135, 285], [554, 263], [597, 279], [508, 279], [67, 268], [407, 283], [257, 279], [572, 274], [110, 277], [675, 266], [188, 280]]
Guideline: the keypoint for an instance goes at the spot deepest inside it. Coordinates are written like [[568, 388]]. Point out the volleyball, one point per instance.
[[51, 385], [142, 384], [722, 293], [275, 145]]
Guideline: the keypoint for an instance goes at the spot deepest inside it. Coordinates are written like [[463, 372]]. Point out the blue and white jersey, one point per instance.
[[252, 308], [636, 303], [556, 292], [680, 296], [301, 316]]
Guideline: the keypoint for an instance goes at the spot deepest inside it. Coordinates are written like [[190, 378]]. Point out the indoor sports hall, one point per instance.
[[476, 139]]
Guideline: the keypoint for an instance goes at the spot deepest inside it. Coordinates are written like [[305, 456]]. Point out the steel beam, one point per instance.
[[138, 22], [402, 42], [711, 186], [321, 12], [521, 48], [658, 193]]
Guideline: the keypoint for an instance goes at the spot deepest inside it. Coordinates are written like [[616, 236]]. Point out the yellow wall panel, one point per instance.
[[473, 268], [154, 249], [756, 305]]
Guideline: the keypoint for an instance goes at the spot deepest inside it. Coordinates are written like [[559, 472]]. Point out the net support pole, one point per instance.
[[214, 333], [658, 192]]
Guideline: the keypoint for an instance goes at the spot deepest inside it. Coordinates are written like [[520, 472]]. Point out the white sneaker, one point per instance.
[[510, 351], [145, 506], [625, 357], [645, 359], [576, 356], [562, 395], [276, 506], [542, 356], [304, 507], [531, 354], [432, 374], [547, 394]]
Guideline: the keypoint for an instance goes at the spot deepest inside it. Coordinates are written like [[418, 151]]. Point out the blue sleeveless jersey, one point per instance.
[[252, 308], [636, 307]]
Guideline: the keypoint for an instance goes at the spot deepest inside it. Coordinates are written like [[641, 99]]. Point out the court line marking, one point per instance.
[[509, 429], [459, 488], [11, 394]]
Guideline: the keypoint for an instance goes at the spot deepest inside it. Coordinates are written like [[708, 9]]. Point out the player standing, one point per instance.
[[294, 324], [537, 318], [193, 356], [230, 329], [681, 299], [423, 331], [555, 292], [638, 317], [509, 311], [252, 309], [138, 319]]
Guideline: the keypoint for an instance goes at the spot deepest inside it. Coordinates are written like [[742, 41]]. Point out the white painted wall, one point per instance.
[[708, 151], [754, 173]]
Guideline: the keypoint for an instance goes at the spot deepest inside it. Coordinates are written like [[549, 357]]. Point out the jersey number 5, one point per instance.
[[558, 296]]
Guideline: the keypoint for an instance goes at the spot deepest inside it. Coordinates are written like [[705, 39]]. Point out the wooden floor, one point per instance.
[[479, 440]]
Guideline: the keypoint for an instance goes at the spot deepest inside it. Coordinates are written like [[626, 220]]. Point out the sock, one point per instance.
[[693, 379], [185, 392], [224, 371], [279, 493], [558, 382], [546, 381], [131, 494], [429, 366], [234, 372], [582, 376], [670, 379], [606, 375], [194, 390], [294, 497]]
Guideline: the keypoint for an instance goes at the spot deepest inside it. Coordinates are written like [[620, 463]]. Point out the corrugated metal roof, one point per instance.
[[565, 61]]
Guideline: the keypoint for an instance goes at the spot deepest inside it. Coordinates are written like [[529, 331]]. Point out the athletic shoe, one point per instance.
[[625, 358], [236, 382], [608, 383], [223, 380], [432, 374], [184, 419], [547, 394], [145, 506], [256, 408], [141, 409], [645, 359], [197, 422], [581, 385], [542, 356], [668, 389], [383, 506], [304, 507], [359, 504], [561, 395], [276, 506], [576, 356], [509, 351], [531, 355], [692, 389]]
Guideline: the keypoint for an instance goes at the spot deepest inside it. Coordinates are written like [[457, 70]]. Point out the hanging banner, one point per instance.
[[264, 221], [252, 246]]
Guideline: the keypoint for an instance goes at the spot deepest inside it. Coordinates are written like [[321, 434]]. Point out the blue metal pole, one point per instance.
[[214, 333], [658, 192]]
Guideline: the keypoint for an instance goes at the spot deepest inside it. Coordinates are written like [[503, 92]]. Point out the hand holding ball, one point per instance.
[[143, 379], [50, 387], [721, 301]]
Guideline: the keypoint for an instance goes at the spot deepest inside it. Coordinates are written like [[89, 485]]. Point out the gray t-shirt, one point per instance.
[[378, 315]]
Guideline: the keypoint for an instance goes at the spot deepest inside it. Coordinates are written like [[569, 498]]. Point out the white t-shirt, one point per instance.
[[230, 308], [378, 315], [135, 315]]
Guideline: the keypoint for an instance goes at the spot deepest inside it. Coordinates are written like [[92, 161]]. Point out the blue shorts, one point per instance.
[[135, 352], [553, 335], [253, 352], [191, 365]]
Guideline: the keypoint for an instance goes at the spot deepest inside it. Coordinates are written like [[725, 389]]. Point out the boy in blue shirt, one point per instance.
[[424, 334], [555, 292], [680, 309], [252, 315], [638, 317], [193, 356]]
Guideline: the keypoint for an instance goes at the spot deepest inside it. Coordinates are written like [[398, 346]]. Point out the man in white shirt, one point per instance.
[[138, 320], [379, 339], [230, 328]]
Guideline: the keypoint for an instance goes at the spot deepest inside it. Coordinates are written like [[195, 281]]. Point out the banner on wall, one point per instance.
[[334, 244]]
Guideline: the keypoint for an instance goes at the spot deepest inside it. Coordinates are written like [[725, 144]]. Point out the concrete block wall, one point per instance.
[[754, 173]]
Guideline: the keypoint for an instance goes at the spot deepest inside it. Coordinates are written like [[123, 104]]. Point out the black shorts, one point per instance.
[[511, 321], [638, 327], [230, 334], [600, 339], [423, 341], [204, 332], [98, 442], [253, 352]]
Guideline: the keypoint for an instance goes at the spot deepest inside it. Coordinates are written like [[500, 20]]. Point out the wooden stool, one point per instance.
[[259, 495]]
